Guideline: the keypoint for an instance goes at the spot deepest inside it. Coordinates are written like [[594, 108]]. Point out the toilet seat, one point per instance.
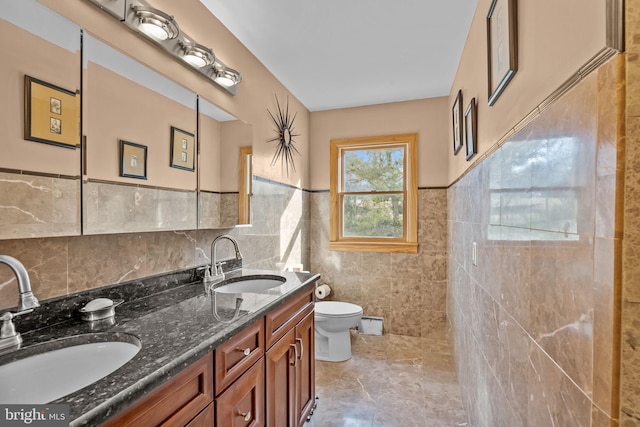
[[337, 309]]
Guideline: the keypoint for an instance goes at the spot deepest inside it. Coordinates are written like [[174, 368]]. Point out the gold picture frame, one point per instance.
[[502, 46], [51, 114], [133, 160], [183, 149]]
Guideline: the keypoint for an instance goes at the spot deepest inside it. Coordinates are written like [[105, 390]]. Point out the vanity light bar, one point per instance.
[[163, 30]]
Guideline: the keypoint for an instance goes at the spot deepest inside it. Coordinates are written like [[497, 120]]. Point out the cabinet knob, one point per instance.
[[245, 351], [246, 415]]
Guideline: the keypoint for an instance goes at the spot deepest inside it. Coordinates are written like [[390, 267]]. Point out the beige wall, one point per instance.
[[555, 39], [117, 108], [210, 151], [52, 64], [255, 93], [428, 117], [234, 134]]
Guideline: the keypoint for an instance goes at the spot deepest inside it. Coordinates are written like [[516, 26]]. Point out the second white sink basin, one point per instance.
[[54, 372], [251, 284]]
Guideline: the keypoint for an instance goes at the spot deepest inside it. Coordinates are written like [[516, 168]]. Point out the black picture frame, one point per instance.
[[470, 131], [456, 119], [133, 160], [183, 149], [502, 46]]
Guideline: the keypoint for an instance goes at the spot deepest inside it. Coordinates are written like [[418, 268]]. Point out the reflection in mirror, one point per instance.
[[39, 182], [245, 194], [151, 185], [537, 185], [220, 138]]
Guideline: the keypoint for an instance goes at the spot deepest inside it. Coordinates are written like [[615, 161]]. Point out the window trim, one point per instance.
[[407, 244]]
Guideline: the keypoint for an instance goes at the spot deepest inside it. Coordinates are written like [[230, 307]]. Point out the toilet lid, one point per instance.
[[337, 309]]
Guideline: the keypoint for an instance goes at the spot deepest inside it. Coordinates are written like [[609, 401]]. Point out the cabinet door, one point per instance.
[[305, 369], [242, 404], [281, 361]]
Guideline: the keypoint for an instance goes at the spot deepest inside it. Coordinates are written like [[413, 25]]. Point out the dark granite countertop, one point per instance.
[[175, 321]]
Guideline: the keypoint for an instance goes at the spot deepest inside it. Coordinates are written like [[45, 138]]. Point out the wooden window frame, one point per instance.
[[409, 242]]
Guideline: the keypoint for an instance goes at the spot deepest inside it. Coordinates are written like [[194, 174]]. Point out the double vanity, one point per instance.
[[176, 353]]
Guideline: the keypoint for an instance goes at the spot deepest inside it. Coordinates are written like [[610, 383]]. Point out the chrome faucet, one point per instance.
[[216, 273], [9, 338]]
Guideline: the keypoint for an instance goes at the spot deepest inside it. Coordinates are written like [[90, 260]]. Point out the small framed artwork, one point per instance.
[[183, 149], [456, 113], [133, 160], [470, 133], [51, 114], [502, 46]]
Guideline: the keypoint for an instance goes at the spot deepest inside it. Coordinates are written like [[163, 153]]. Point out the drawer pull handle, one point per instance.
[[301, 347], [245, 351], [296, 357], [246, 415]]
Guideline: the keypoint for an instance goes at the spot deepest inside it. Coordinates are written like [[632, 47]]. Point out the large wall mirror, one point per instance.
[[152, 155], [225, 168], [140, 146], [40, 154]]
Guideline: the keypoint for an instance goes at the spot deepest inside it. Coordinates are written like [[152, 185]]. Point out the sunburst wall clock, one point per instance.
[[285, 135]]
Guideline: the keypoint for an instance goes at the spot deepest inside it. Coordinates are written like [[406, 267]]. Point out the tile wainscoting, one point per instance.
[[534, 322], [64, 265], [408, 290]]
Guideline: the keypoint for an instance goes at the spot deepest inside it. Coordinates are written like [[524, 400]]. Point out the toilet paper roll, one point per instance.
[[323, 291]]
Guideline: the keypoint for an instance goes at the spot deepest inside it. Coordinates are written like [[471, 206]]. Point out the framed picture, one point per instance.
[[51, 114], [133, 160], [456, 113], [470, 135], [502, 46], [183, 149]]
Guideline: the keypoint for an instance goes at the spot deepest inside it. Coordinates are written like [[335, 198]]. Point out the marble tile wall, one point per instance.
[[408, 290], [111, 208], [64, 265], [46, 206], [534, 322], [630, 333]]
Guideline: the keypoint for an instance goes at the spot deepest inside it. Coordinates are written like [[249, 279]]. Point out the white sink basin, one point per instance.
[[251, 284], [55, 372]]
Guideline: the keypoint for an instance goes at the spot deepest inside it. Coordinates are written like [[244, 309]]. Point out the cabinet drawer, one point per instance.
[[281, 319], [175, 402], [204, 418], [238, 354], [242, 404]]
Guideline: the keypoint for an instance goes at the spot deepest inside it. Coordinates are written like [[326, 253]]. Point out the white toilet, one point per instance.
[[333, 320]]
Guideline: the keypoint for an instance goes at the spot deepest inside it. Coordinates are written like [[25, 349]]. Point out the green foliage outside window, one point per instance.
[[365, 173]]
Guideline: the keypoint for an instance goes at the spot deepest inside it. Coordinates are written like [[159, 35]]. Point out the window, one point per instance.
[[374, 194]]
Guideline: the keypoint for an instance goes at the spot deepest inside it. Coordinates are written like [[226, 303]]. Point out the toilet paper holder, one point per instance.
[[322, 291]]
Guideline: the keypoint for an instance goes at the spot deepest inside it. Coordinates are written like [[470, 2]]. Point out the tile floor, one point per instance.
[[390, 381]]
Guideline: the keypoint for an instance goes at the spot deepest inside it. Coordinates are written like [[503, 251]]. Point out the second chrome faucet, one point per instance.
[[216, 273]]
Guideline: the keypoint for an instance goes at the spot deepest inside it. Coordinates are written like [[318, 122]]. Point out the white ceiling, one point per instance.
[[345, 53]]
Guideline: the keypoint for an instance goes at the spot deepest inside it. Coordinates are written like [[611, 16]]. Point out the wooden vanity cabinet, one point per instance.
[[242, 404], [290, 367], [239, 380], [186, 399]]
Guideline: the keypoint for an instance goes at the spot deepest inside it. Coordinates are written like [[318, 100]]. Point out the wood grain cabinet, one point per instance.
[[290, 363], [242, 404], [178, 402], [252, 387]]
